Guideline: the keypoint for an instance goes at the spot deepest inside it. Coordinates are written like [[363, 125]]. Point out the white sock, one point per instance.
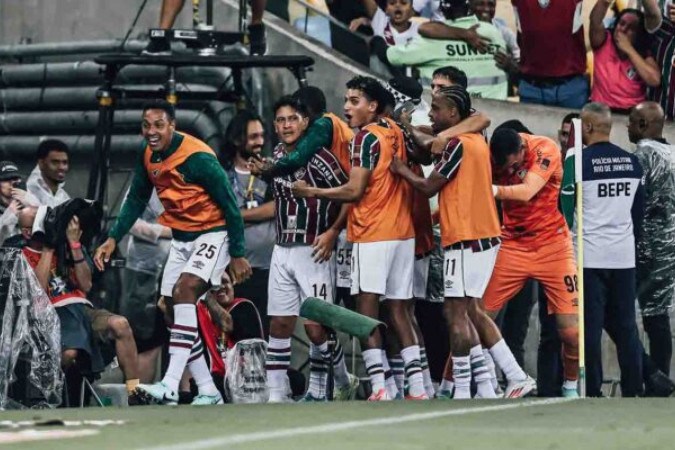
[[340, 372], [277, 362], [446, 385], [570, 384], [373, 361], [318, 370], [398, 371], [200, 370], [491, 367], [502, 355], [481, 373], [413, 370], [461, 372], [426, 374], [389, 379], [183, 335]]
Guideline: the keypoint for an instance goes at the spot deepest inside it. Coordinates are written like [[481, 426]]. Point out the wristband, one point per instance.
[[77, 261], [75, 245]]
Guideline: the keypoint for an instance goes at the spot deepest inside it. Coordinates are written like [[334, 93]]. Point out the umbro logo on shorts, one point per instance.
[[199, 265], [448, 284]]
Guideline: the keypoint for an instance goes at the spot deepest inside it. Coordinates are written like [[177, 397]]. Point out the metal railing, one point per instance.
[[309, 7]]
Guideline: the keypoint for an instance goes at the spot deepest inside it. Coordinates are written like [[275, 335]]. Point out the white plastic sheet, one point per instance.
[[656, 246], [30, 332], [245, 379]]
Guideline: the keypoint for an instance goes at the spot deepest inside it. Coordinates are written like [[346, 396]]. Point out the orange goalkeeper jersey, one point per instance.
[[538, 220]]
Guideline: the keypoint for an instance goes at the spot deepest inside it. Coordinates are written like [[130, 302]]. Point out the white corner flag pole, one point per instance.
[[579, 216]]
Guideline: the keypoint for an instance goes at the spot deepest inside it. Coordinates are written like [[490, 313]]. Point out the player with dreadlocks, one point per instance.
[[470, 238]]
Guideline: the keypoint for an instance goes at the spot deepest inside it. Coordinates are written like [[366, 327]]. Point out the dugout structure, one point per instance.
[[109, 95]]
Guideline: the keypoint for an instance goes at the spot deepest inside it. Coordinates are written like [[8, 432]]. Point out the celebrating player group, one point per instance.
[[358, 185]]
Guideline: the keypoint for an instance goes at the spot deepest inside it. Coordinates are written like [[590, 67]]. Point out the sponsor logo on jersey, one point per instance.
[[155, 172], [292, 222], [300, 173], [631, 73], [463, 49], [199, 265]]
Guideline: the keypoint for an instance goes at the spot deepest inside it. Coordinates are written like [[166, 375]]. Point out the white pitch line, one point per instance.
[[342, 426]]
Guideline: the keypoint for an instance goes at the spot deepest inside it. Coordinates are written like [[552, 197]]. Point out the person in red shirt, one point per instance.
[[552, 52], [536, 243]]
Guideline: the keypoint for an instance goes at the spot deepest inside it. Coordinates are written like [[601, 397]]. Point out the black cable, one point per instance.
[[133, 24]]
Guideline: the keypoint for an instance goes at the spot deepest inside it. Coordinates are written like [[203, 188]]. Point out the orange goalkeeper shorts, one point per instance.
[[552, 264]]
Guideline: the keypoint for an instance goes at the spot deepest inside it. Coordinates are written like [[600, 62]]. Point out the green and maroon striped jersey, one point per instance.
[[301, 220], [663, 49]]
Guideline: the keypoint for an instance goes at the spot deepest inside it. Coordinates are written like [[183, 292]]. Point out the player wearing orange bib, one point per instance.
[[380, 226], [470, 238], [535, 241], [201, 211]]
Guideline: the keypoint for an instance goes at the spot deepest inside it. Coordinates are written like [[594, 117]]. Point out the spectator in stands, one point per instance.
[[46, 181], [613, 213], [147, 252], [663, 49], [171, 9], [622, 64], [12, 199], [484, 10], [552, 52], [83, 327], [245, 139], [656, 245], [428, 8], [486, 79], [393, 24], [564, 132]]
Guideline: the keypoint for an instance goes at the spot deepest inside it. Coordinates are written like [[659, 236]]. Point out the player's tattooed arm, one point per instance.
[[428, 186], [219, 315]]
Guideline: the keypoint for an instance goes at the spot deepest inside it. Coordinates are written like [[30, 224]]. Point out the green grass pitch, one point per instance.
[[526, 424]]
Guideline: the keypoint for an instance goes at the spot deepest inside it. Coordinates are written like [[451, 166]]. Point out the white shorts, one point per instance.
[[207, 257], [343, 261], [420, 277], [294, 276], [384, 268], [466, 273]]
